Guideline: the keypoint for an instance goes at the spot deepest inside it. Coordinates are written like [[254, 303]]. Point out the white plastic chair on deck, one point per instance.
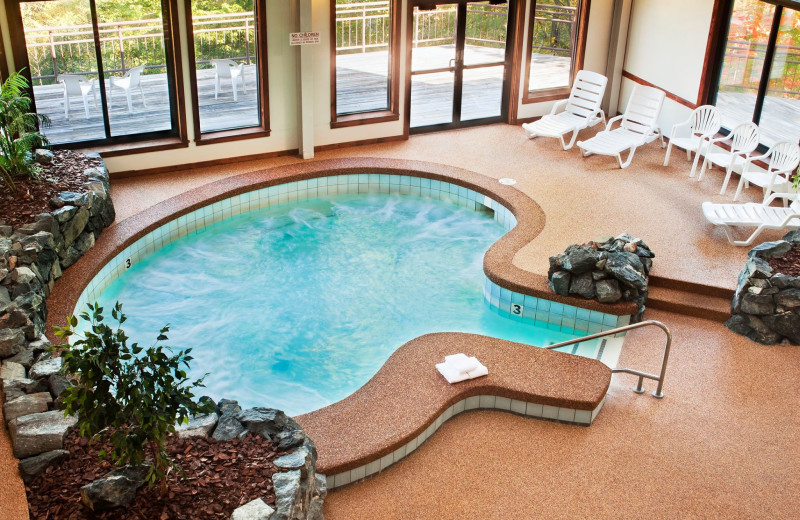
[[638, 126], [580, 111], [77, 85], [743, 140], [228, 69], [703, 124], [783, 159], [129, 81], [754, 214]]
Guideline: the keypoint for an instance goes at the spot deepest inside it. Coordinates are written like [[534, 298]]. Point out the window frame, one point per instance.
[[3, 58], [235, 134], [719, 36], [392, 113], [113, 146], [539, 96]]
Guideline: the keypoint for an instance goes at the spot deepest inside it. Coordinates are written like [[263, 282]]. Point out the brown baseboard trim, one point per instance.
[[670, 95], [522, 120], [377, 140], [201, 164]]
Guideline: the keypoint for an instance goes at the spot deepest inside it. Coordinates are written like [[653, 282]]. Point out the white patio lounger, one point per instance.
[[744, 139], [638, 126], [754, 214], [783, 159], [580, 111], [703, 125]]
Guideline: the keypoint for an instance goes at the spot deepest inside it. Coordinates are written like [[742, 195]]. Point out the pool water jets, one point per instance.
[[298, 305]]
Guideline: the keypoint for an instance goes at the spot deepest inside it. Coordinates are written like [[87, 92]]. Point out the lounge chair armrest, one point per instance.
[[558, 105], [775, 196], [612, 121]]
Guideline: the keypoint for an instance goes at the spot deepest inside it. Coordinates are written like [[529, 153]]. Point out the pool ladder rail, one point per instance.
[[660, 378]]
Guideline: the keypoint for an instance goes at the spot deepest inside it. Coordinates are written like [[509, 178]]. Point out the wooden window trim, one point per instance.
[[234, 134], [539, 96], [135, 142], [375, 116]]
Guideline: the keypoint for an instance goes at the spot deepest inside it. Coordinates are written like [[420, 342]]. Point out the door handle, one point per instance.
[[452, 64]]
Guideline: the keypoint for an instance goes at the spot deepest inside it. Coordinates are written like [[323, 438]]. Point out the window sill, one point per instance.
[[368, 118], [152, 145], [540, 96], [225, 136]]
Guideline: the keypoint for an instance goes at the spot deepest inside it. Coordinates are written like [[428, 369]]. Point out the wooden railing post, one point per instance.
[[53, 54], [121, 48], [247, 38]]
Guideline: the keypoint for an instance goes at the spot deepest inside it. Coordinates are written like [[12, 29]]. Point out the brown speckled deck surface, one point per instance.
[[721, 444], [408, 394]]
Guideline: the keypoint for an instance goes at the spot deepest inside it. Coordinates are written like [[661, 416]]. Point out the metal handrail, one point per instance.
[[642, 375]]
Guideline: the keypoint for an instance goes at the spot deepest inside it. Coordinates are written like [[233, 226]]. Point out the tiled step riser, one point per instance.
[[478, 402]]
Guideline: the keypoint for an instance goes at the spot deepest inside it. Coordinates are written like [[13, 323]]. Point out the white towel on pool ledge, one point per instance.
[[452, 375], [461, 363]]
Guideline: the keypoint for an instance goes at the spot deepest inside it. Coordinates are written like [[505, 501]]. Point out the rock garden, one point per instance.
[[766, 305], [610, 269]]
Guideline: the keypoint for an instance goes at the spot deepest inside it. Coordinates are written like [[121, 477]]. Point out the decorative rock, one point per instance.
[[45, 369], [300, 459], [318, 498], [286, 440], [26, 386], [32, 467], [266, 422], [254, 510], [57, 384], [582, 285], [198, 426], [75, 226], [64, 214], [12, 342], [26, 405], [560, 282], [13, 318], [43, 156], [22, 275], [11, 371], [228, 427], [786, 324], [24, 358], [579, 260], [115, 489], [40, 432], [788, 299], [287, 495], [228, 407], [608, 291]]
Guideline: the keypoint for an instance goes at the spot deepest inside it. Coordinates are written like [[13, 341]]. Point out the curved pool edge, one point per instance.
[[498, 260], [374, 428]]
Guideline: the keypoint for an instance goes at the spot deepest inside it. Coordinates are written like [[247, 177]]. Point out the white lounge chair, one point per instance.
[[760, 215], [783, 159], [638, 126], [743, 140], [129, 81], [77, 85], [580, 111], [703, 125], [228, 69]]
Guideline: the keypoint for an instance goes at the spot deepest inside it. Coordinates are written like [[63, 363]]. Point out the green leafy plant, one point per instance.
[[135, 395], [796, 178], [18, 131]]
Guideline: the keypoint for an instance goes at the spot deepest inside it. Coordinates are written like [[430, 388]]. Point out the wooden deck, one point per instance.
[[780, 119]]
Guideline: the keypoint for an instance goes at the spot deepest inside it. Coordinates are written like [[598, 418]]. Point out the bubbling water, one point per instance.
[[298, 305]]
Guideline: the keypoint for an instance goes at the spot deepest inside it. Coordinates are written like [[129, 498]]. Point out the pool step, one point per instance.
[[691, 299]]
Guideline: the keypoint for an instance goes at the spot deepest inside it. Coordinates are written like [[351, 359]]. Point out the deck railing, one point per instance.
[[744, 62]]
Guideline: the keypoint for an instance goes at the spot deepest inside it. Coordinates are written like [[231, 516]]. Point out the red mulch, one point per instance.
[[788, 264], [219, 477], [33, 197]]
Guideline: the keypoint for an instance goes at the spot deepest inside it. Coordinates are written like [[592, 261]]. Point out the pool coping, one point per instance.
[[498, 260]]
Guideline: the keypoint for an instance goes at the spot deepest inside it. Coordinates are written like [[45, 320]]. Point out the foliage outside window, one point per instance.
[[100, 70], [555, 52], [364, 67], [759, 77]]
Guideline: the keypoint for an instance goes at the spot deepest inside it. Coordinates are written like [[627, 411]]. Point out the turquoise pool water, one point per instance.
[[298, 305]]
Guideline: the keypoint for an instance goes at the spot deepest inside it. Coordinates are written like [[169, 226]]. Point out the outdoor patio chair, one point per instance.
[[228, 69], [783, 159], [638, 126], [77, 85], [580, 111], [743, 140], [702, 125], [129, 81], [760, 215]]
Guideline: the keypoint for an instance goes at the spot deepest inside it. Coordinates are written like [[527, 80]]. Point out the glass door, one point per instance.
[[458, 65]]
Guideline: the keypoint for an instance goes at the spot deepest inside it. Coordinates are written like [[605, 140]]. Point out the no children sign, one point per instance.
[[304, 38]]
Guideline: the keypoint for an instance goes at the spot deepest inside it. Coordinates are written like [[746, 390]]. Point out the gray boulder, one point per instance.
[[288, 496], [254, 510], [26, 405], [228, 407], [228, 427], [43, 156], [75, 226], [266, 422], [46, 368], [608, 291], [115, 489], [302, 459], [11, 371], [289, 439], [198, 426], [57, 384], [12, 342], [40, 432], [787, 324], [758, 304], [24, 385], [32, 467], [579, 260], [24, 358], [582, 285], [559, 282]]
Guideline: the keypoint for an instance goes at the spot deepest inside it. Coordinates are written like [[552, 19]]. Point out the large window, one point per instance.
[[556, 41], [759, 75], [228, 68], [101, 70], [364, 69]]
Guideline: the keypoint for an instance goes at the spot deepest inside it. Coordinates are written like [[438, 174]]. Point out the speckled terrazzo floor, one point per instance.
[[721, 444]]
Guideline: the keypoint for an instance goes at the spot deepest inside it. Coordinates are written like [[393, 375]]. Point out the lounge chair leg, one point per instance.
[[571, 141], [628, 160], [669, 151], [688, 155], [661, 136]]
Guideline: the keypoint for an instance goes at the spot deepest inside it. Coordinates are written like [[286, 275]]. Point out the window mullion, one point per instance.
[[765, 71], [100, 74]]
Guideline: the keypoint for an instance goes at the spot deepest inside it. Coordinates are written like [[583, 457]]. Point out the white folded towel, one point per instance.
[[453, 375], [461, 363]]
